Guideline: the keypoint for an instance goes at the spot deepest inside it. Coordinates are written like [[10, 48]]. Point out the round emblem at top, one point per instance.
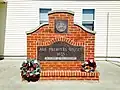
[[61, 26]]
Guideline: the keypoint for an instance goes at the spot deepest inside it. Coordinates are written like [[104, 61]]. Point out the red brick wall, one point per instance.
[[60, 65], [45, 35]]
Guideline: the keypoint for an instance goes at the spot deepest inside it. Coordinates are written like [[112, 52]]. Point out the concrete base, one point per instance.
[[10, 79]]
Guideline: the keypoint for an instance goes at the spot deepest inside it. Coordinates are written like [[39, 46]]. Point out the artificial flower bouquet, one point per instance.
[[89, 66], [30, 70]]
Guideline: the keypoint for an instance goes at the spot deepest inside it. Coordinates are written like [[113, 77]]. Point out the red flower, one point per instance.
[[34, 75], [31, 69], [34, 65], [28, 74], [24, 65]]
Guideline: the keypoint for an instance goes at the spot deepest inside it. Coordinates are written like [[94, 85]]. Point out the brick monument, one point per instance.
[[61, 46]]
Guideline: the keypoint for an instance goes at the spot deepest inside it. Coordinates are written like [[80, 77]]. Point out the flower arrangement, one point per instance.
[[89, 66], [30, 70]]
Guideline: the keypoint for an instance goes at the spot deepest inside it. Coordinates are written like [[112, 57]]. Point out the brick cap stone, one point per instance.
[[85, 29], [61, 11], [33, 30]]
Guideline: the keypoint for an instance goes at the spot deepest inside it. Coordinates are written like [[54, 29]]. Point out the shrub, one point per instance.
[[89, 66], [30, 70]]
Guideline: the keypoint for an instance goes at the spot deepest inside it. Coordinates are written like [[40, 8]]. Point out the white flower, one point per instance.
[[35, 61], [86, 62], [91, 60], [31, 74], [37, 73]]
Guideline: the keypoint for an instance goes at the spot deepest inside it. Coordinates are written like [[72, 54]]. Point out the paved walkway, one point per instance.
[[10, 79]]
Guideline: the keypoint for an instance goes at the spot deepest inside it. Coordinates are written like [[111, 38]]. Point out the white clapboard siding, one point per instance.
[[114, 35], [21, 17], [24, 15]]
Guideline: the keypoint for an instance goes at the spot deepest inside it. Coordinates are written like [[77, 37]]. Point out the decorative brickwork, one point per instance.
[[68, 75], [60, 65], [45, 35], [76, 35]]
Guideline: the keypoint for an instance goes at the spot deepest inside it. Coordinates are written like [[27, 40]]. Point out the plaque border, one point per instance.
[[59, 60]]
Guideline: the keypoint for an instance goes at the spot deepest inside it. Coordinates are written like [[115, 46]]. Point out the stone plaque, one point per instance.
[[61, 26], [60, 51]]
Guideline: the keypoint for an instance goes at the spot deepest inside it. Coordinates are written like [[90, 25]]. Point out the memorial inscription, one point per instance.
[[60, 51]]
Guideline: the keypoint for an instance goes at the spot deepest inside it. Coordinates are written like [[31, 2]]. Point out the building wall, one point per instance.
[[3, 8], [23, 16]]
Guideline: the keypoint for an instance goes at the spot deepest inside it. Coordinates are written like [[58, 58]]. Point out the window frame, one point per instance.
[[40, 22], [94, 19]]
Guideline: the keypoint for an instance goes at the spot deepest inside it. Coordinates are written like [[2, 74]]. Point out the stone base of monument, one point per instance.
[[68, 75], [65, 70]]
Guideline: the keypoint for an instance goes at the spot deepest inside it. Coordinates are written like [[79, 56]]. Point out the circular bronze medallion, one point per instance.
[[61, 26]]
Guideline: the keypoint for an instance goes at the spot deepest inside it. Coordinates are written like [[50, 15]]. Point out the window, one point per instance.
[[88, 17], [44, 14]]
